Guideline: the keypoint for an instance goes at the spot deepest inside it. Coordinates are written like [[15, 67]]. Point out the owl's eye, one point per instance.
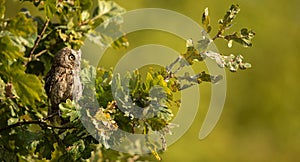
[[71, 57]]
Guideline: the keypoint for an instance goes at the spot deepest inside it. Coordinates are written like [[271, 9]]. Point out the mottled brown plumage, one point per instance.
[[63, 81]]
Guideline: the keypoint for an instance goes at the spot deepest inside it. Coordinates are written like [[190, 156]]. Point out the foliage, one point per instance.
[[130, 102]]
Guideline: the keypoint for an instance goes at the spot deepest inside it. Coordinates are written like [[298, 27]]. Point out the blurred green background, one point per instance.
[[261, 117]]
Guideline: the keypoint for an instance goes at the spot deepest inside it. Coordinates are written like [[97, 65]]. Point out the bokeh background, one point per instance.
[[261, 117]]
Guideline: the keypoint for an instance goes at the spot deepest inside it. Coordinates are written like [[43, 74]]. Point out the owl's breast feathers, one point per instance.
[[60, 86]]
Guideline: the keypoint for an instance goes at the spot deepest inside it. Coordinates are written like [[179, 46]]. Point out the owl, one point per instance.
[[63, 80]]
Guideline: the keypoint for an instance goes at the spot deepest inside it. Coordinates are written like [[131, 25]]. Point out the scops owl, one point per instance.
[[63, 80]]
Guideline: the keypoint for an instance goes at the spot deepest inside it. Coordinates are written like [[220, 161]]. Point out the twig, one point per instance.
[[218, 35], [50, 116], [40, 53], [39, 122], [39, 38]]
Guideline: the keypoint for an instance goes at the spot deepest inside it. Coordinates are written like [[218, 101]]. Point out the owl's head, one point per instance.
[[68, 58]]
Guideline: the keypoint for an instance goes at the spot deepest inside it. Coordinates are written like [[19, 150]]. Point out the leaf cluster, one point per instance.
[[27, 45], [133, 102], [200, 51]]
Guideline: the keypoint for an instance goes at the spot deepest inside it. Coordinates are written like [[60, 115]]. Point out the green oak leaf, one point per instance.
[[206, 21], [68, 109], [99, 39], [86, 4], [19, 32], [230, 15], [2, 89], [7, 155], [50, 8], [45, 147], [108, 9], [8, 49], [2, 9], [22, 26], [233, 63], [24, 140], [244, 37], [28, 86]]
